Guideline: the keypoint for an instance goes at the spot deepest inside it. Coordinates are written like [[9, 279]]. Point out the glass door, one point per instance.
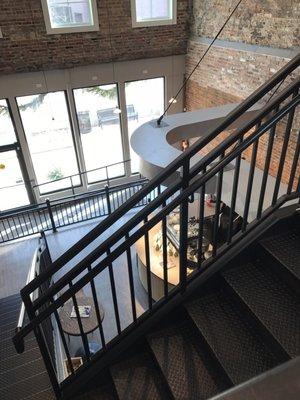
[[145, 101], [47, 127], [13, 192]]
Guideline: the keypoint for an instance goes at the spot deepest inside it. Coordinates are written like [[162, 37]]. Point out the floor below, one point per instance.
[[16, 259]]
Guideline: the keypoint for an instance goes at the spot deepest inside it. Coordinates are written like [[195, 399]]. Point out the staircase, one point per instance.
[[234, 313], [246, 322], [21, 376]]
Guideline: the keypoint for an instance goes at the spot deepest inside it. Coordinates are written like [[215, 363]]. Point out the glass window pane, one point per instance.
[[99, 123], [7, 131], [141, 108], [153, 10], [12, 189], [66, 13], [46, 123]]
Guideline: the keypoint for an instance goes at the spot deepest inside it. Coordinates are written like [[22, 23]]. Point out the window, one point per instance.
[[67, 16], [141, 108], [100, 131], [48, 132], [153, 12]]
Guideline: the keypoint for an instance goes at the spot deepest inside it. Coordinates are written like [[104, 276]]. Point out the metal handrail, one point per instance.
[[79, 174], [32, 273], [173, 167]]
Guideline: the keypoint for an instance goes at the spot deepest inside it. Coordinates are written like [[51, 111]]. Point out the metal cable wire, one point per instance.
[[199, 62]]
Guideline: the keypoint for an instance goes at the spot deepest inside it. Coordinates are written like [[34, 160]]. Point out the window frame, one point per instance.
[[153, 22], [117, 84], [71, 29], [30, 158]]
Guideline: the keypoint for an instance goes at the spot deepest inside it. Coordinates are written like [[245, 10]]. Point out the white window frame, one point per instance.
[[71, 29], [153, 22]]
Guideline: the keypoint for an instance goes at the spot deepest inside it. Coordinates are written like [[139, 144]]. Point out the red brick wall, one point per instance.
[[273, 23], [229, 76], [27, 47]]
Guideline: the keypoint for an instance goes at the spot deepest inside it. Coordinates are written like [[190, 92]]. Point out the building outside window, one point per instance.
[[67, 16], [153, 12]]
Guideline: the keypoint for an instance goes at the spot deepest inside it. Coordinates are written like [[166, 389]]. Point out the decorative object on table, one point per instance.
[[84, 312], [70, 325], [76, 362]]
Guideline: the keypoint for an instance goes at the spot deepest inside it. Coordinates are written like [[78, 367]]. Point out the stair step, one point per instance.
[[27, 387], [285, 247], [19, 359], [137, 377], [184, 362], [7, 349], [242, 354], [272, 302], [21, 372], [106, 392], [46, 394]]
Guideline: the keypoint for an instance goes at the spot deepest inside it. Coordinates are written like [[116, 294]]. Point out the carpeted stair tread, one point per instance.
[[22, 371], [138, 378], [30, 386], [241, 353], [7, 349], [183, 362], [272, 302], [105, 392], [46, 394], [285, 247]]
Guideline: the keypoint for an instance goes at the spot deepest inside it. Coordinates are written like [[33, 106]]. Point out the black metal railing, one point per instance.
[[44, 333], [67, 211], [107, 173], [245, 196]]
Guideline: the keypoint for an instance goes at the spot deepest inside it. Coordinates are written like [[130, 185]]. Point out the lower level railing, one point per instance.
[[211, 208], [52, 215]]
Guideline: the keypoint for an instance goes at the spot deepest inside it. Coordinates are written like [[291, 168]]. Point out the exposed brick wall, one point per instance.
[[273, 23], [228, 75], [27, 47]]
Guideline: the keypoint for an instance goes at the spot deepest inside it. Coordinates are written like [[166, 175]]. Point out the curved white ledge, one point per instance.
[[153, 145]]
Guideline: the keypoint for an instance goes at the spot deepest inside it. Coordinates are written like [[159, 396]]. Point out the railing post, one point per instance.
[[107, 199], [51, 215], [184, 214]]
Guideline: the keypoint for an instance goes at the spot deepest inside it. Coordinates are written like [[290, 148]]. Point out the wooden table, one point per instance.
[[70, 325]]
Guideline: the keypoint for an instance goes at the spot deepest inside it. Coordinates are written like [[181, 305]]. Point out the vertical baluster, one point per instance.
[[201, 221], [148, 266], [283, 152], [82, 333], [63, 339], [250, 182], [217, 212], [114, 294], [294, 166], [97, 309], [183, 239], [131, 282], [234, 192], [266, 167], [165, 252]]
